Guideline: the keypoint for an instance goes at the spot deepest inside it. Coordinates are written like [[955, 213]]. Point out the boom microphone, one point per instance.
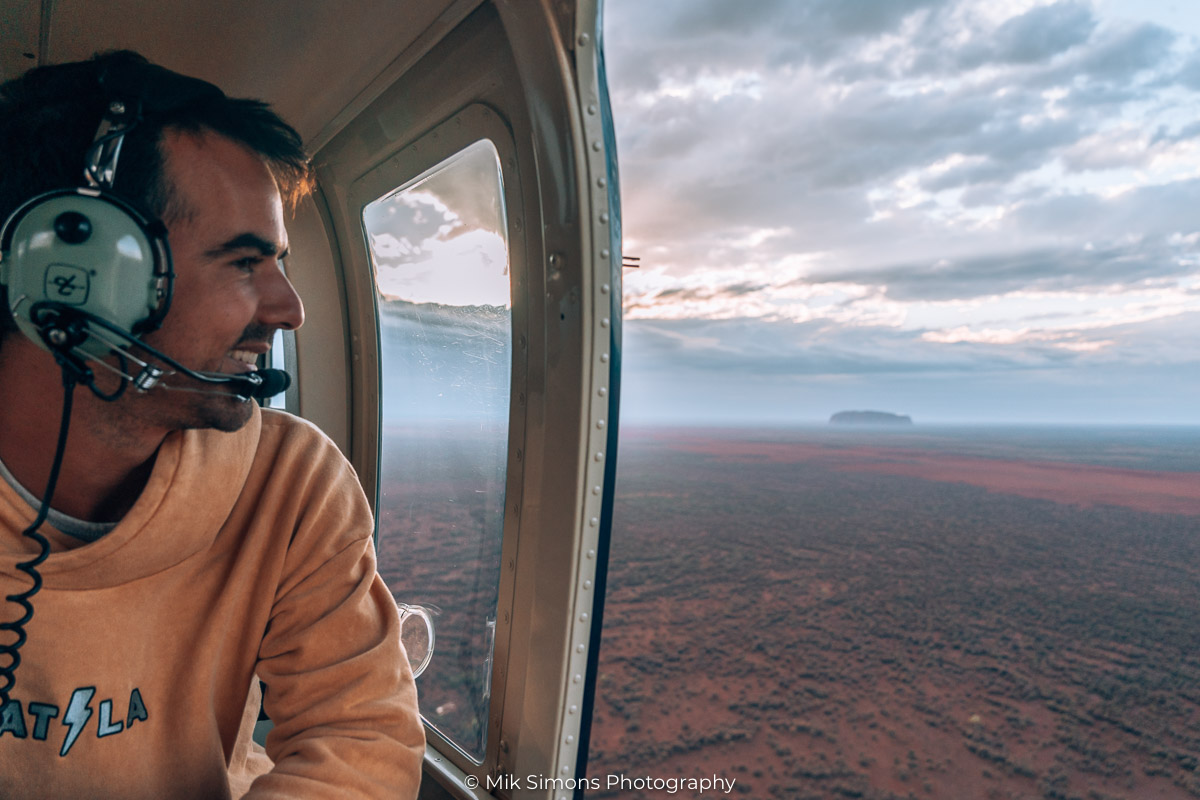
[[260, 385], [77, 336]]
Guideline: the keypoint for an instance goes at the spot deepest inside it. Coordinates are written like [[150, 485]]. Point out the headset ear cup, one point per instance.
[[90, 251]]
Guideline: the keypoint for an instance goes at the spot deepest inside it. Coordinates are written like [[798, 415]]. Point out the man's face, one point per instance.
[[231, 295]]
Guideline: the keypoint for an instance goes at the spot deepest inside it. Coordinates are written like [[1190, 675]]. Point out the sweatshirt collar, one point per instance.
[[197, 478]]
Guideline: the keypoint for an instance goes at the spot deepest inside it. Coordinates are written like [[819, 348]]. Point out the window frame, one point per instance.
[[408, 166], [536, 66]]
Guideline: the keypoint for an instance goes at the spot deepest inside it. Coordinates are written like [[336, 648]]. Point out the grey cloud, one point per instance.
[[706, 293], [755, 347], [765, 348], [1043, 32], [1009, 148], [1125, 52], [803, 158], [1173, 137], [1150, 212], [1189, 74], [1043, 269], [765, 32], [1035, 36]]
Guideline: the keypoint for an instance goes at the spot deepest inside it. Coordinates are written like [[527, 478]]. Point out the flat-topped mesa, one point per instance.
[[869, 418]]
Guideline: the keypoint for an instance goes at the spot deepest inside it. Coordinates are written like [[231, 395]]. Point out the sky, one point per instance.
[[959, 210]]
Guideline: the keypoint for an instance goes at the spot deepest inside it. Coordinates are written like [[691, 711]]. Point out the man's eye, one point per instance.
[[248, 263]]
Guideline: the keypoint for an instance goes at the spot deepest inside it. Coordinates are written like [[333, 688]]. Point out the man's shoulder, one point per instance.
[[278, 424], [281, 429], [287, 443]]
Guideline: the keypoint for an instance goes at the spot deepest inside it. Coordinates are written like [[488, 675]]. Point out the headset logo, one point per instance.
[[67, 284]]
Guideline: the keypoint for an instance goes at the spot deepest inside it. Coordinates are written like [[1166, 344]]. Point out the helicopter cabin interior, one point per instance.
[[459, 262]]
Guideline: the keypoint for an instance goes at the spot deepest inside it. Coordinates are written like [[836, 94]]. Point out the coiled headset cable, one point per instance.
[[70, 377]]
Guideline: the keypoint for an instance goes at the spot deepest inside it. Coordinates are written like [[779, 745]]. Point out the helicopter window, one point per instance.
[[281, 356], [439, 251]]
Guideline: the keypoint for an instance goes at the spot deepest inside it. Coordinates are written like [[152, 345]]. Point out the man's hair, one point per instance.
[[49, 117]]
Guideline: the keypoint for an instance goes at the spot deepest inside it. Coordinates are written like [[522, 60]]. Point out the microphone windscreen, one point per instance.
[[274, 381]]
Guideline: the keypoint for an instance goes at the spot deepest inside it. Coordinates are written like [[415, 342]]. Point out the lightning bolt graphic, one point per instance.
[[78, 713]]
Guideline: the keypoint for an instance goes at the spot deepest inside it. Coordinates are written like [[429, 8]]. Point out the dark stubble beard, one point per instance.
[[215, 406]]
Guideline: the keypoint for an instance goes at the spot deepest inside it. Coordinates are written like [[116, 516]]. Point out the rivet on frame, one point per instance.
[[584, 39], [573, 709], [578, 677], [596, 146], [604, 253], [566, 770], [596, 490], [580, 649], [604, 322], [604, 218], [570, 739], [602, 392], [600, 424], [591, 554], [599, 456], [605, 289], [601, 182], [594, 522], [592, 108], [604, 358], [587, 584]]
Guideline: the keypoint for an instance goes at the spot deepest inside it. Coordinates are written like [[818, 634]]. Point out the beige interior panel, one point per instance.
[[309, 58]]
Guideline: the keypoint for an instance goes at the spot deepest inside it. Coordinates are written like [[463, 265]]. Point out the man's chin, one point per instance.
[[226, 414], [235, 419]]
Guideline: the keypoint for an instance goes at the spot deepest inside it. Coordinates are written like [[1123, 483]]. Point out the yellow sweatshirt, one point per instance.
[[246, 553]]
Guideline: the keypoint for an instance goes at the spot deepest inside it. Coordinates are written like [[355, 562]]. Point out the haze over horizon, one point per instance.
[[958, 210]]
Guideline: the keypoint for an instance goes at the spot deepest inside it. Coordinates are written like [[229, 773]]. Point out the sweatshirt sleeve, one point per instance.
[[338, 685]]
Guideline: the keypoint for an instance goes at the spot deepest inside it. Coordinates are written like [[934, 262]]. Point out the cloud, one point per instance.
[[1189, 73], [1041, 270], [840, 167], [1038, 35]]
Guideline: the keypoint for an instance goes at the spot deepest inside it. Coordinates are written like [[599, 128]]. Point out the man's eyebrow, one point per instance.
[[245, 241]]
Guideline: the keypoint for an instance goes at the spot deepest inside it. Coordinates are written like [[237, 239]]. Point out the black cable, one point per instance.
[[90, 382], [30, 567]]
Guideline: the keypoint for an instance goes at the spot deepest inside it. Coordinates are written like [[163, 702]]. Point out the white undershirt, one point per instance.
[[79, 528]]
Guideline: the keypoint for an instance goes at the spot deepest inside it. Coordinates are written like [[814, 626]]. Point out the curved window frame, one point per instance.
[[408, 166]]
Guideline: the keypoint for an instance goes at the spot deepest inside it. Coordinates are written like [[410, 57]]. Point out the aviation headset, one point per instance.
[[86, 272], [86, 249]]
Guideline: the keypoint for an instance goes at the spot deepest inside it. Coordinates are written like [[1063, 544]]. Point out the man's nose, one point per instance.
[[279, 306]]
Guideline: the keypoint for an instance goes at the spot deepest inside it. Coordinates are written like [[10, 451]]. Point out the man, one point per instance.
[[196, 542]]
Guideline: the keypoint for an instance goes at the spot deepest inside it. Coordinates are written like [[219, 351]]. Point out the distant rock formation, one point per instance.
[[869, 418]]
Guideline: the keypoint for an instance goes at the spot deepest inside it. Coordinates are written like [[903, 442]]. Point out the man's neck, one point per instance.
[[108, 457]]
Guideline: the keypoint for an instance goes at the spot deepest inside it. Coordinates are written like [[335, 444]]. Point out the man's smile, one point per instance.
[[247, 359]]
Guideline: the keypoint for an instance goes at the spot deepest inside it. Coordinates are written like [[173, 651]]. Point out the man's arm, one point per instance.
[[339, 687]]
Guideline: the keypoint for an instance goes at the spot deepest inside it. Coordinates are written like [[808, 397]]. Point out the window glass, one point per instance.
[[276, 360], [908, 498], [440, 256]]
